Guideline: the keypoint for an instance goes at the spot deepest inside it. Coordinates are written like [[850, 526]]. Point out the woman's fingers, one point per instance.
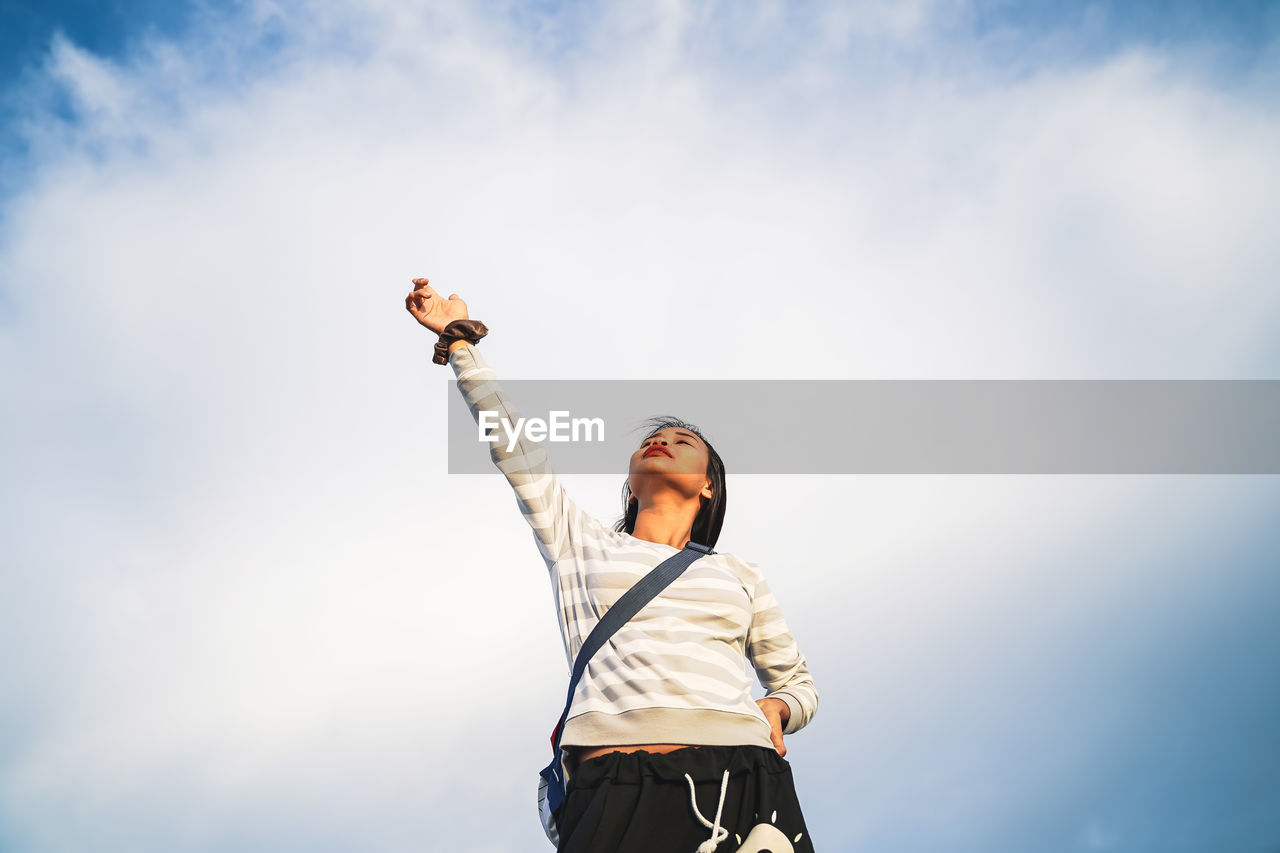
[[774, 716], [415, 303], [418, 301], [775, 731], [420, 294], [432, 310]]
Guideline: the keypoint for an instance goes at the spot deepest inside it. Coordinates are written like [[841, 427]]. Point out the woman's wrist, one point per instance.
[[464, 330], [458, 344]]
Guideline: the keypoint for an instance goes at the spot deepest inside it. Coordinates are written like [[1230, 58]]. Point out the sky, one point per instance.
[[245, 606]]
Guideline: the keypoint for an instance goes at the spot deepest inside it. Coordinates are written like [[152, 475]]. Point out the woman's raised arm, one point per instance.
[[556, 520]]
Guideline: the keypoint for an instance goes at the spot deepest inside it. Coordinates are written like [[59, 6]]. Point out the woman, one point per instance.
[[662, 732]]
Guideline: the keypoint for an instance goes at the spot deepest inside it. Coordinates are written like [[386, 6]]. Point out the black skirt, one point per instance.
[[640, 802]]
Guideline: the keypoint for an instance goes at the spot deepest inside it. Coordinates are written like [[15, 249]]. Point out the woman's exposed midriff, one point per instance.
[[585, 753]]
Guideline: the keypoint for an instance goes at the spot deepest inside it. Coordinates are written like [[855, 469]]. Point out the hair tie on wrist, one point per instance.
[[470, 331]]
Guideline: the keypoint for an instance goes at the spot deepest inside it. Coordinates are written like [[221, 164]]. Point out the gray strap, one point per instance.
[[631, 603]]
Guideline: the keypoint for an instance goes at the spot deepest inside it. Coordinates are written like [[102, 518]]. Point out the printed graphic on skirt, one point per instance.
[[766, 838]]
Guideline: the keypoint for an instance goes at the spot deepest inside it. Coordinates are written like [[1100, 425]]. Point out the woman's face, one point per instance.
[[671, 458]]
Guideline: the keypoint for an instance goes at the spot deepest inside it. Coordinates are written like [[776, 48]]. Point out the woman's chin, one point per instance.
[[644, 483]]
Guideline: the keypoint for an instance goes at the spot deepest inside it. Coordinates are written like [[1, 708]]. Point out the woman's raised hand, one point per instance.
[[431, 310]]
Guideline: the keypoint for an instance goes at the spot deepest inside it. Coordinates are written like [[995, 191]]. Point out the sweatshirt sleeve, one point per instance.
[[539, 493], [781, 668]]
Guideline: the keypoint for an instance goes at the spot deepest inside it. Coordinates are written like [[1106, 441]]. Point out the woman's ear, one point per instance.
[[706, 490]]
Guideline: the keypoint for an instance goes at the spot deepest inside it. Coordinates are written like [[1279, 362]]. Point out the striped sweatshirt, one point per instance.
[[676, 673]]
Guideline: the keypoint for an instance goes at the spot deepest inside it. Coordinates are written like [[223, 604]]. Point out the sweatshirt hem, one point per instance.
[[694, 726]]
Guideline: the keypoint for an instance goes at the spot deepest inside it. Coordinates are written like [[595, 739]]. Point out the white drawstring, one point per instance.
[[718, 832]]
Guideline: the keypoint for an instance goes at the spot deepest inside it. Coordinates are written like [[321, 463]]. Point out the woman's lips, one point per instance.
[[656, 449]]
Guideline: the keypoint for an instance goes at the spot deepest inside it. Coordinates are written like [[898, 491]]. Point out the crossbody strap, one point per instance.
[[631, 603]]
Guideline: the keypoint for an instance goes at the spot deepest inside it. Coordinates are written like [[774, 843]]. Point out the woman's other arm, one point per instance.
[[778, 663]]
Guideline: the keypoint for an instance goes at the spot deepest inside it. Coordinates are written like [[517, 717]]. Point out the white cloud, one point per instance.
[[258, 614]]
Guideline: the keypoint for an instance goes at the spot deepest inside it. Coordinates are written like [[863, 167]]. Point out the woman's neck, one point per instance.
[[667, 522]]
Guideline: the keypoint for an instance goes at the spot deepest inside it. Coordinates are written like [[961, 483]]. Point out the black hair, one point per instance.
[[710, 518]]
